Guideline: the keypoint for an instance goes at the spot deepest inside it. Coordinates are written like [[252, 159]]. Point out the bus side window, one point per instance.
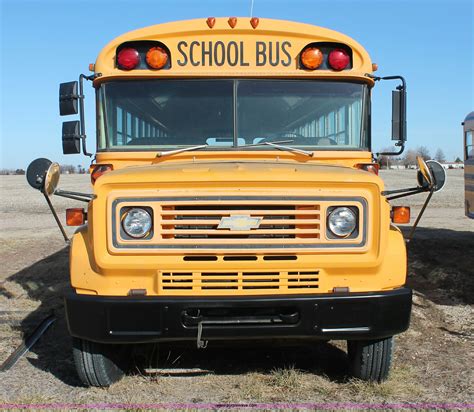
[[469, 146]]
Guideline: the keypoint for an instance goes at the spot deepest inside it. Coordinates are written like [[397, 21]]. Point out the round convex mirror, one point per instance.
[[36, 172], [424, 176], [52, 179], [439, 174]]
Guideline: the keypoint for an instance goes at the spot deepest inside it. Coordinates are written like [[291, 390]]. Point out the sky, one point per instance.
[[46, 42]]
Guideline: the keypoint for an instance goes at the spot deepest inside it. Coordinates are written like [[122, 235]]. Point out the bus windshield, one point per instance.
[[169, 114]]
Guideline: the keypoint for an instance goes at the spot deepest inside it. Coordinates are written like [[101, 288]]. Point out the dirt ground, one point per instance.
[[433, 360]]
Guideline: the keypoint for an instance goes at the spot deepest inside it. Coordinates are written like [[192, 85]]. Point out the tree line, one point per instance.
[[408, 159], [65, 169]]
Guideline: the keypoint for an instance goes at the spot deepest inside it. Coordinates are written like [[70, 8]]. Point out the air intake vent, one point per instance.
[[177, 283]]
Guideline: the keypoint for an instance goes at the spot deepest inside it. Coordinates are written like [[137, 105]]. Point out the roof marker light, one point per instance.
[[211, 21], [232, 21], [156, 57], [254, 22], [128, 58], [311, 58], [338, 59]]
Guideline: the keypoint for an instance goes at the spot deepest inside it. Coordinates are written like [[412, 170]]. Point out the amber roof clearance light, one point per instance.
[[311, 58], [232, 22], [156, 57]]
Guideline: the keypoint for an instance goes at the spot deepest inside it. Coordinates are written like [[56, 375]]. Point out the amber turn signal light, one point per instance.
[[400, 214], [97, 171], [156, 57], [311, 58], [75, 216], [369, 167]]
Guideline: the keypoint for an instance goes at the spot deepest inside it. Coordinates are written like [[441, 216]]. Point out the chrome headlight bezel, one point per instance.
[[137, 213], [352, 218]]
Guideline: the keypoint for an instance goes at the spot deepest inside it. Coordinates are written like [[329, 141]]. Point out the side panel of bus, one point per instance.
[[469, 168]]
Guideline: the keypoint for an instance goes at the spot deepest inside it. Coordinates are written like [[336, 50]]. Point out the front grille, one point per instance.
[[229, 223], [178, 283], [277, 222]]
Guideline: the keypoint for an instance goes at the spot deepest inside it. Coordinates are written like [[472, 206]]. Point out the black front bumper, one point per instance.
[[324, 316]]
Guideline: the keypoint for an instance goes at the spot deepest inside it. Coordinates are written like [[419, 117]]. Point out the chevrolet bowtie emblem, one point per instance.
[[239, 222]]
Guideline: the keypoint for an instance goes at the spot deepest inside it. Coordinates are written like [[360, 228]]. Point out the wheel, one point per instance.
[[370, 360], [99, 364]]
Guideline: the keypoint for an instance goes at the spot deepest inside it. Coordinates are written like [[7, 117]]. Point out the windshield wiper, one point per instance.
[[275, 144], [278, 146], [185, 149]]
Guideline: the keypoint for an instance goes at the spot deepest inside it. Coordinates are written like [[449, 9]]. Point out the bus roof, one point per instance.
[[469, 117], [271, 49]]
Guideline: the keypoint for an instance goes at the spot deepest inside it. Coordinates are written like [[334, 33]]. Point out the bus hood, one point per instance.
[[222, 172]]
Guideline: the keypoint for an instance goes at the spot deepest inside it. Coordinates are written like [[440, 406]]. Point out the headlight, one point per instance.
[[136, 222], [342, 221]]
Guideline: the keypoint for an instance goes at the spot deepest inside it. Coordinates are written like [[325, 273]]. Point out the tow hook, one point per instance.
[[196, 319], [201, 344]]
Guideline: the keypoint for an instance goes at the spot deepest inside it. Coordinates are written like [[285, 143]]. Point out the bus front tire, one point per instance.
[[370, 360], [99, 364]]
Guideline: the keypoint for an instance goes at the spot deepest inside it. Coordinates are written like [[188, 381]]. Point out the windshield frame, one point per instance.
[[365, 133]]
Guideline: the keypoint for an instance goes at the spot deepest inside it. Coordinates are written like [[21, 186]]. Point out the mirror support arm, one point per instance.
[[402, 87], [53, 211], [412, 231], [407, 192], [82, 197], [81, 111], [399, 152]]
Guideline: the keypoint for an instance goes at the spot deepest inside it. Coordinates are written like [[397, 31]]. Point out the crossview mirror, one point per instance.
[[71, 137], [42, 174], [431, 174], [431, 178], [68, 98]]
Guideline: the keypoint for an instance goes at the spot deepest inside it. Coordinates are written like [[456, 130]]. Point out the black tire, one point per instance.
[[99, 364], [370, 360]]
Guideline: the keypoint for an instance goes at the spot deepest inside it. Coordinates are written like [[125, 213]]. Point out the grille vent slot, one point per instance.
[[192, 282]]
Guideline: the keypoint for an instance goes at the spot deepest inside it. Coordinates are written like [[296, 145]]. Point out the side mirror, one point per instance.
[[71, 137], [399, 121], [399, 115], [68, 98]]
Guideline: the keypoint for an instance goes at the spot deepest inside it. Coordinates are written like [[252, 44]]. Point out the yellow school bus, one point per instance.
[[235, 195], [468, 129]]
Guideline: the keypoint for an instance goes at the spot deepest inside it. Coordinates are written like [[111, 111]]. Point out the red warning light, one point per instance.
[[128, 58], [338, 59]]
